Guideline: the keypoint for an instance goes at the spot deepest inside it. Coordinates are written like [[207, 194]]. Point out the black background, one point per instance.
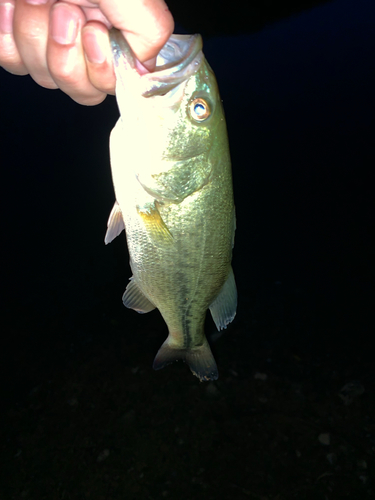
[[298, 91]]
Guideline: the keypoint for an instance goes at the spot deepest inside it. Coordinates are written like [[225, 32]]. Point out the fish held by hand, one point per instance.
[[172, 178]]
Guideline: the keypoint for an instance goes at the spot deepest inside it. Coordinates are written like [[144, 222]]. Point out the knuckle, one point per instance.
[[102, 82], [14, 69], [89, 100], [13, 65], [64, 65], [10, 59], [63, 73], [45, 82]]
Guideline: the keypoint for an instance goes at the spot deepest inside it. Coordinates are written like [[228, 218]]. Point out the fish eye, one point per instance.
[[200, 109]]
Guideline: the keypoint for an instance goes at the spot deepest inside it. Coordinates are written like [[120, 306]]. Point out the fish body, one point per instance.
[[171, 172]]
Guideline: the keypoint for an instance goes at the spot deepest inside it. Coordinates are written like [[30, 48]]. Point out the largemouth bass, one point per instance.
[[172, 179]]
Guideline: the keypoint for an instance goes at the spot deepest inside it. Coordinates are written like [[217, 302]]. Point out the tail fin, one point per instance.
[[200, 359]]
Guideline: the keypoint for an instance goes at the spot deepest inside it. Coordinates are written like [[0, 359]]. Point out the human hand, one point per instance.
[[65, 44]]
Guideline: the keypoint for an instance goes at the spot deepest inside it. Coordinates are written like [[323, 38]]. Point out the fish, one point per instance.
[[172, 178]]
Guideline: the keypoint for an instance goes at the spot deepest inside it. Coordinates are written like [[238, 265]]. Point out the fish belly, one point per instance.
[[183, 276]]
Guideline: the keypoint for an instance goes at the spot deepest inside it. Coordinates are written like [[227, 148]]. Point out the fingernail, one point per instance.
[[64, 25], [146, 66], [6, 18], [93, 50], [37, 2]]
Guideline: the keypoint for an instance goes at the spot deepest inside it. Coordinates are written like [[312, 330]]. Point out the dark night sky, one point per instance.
[[299, 101]]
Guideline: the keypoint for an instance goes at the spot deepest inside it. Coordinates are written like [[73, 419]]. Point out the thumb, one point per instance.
[[146, 24]]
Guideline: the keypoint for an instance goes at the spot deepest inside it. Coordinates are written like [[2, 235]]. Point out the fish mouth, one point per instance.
[[180, 58]]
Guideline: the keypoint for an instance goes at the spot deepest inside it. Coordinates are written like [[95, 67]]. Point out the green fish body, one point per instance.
[[172, 178]]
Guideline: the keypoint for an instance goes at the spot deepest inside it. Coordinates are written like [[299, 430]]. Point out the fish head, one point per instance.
[[170, 117]]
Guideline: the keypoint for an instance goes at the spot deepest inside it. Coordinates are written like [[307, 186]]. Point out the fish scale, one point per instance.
[[172, 177]]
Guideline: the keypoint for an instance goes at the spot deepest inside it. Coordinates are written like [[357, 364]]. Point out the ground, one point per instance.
[[278, 424]]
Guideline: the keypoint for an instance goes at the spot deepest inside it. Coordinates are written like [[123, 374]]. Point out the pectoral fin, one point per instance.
[[115, 224], [223, 308], [133, 298], [155, 226]]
